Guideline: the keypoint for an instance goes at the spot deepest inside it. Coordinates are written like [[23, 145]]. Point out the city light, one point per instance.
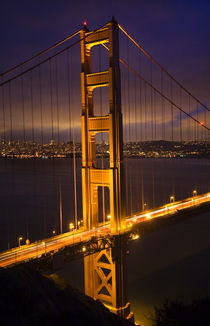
[[84, 249]]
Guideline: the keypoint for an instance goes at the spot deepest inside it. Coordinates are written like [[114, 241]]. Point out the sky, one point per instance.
[[176, 33]]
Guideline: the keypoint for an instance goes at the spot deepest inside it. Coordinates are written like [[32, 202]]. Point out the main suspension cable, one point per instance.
[[161, 67], [40, 53], [47, 59], [163, 96]]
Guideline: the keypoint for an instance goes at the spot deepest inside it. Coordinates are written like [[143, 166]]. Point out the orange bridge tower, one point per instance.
[[105, 274]]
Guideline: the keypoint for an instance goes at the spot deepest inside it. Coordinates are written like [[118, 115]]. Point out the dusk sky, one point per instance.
[[175, 33]]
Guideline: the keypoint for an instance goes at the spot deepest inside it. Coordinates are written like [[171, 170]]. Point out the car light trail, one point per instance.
[[37, 249]]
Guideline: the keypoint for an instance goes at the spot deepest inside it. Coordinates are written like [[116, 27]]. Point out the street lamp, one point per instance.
[[172, 199], [20, 238], [109, 217], [194, 195], [71, 228], [44, 243]]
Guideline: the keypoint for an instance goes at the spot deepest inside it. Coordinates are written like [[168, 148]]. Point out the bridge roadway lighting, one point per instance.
[[71, 228], [20, 238], [134, 236], [194, 193], [172, 199], [44, 243]]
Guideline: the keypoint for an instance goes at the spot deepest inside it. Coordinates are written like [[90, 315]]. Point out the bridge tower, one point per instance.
[[105, 275]]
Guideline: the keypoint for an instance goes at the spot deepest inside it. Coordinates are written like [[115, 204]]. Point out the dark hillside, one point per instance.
[[29, 298]]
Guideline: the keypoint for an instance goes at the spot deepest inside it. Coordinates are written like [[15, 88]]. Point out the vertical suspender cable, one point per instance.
[[181, 144], [33, 141], [40, 99], [136, 148], [57, 101], [172, 138], [188, 120], [5, 165], [68, 54], [141, 136], [129, 132], [163, 139], [74, 147], [13, 167], [23, 109], [51, 106], [10, 111], [24, 139], [125, 140], [60, 209], [32, 110], [152, 122], [42, 137], [57, 113]]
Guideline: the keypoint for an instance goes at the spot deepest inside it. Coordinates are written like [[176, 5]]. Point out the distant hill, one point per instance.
[[29, 298]]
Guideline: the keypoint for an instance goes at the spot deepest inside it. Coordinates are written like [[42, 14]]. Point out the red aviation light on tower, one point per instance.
[[85, 23], [202, 123]]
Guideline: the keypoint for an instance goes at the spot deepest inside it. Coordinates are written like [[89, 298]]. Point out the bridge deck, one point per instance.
[[54, 244]]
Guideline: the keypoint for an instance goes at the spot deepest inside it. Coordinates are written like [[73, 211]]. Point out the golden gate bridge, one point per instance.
[[128, 153]]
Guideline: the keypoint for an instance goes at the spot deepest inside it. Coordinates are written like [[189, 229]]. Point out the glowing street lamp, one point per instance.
[[172, 199], [71, 228], [109, 217], [44, 243], [20, 238], [194, 193]]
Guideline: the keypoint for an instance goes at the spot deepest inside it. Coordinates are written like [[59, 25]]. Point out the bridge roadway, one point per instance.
[[53, 244]]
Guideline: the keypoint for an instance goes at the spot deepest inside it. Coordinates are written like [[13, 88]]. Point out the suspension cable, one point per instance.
[[161, 67], [74, 150], [40, 53], [164, 96], [51, 57], [161, 93]]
